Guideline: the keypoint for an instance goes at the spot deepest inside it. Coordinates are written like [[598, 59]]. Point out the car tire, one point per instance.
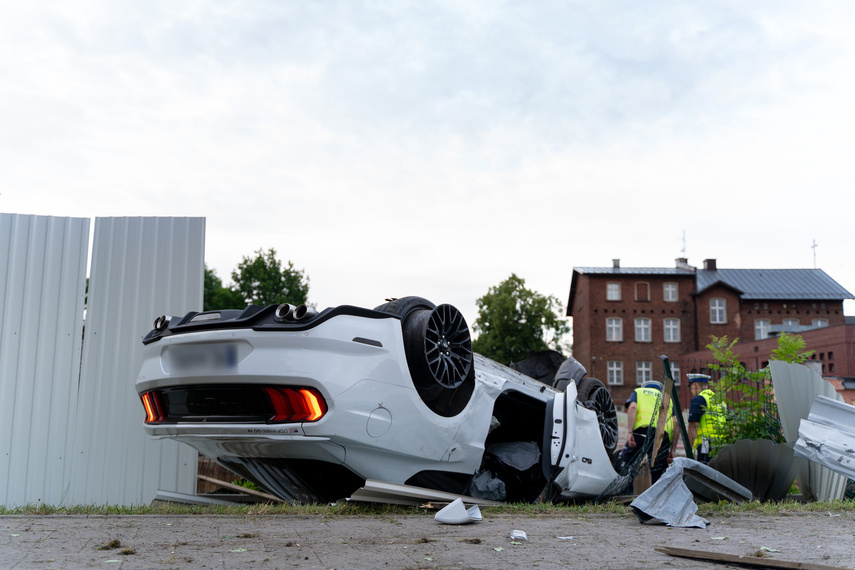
[[404, 306], [593, 395], [439, 353]]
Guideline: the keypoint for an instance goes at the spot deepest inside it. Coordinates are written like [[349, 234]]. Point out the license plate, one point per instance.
[[203, 358]]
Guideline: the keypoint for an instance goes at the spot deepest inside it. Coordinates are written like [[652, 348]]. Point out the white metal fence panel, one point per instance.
[[43, 267], [141, 268], [796, 386]]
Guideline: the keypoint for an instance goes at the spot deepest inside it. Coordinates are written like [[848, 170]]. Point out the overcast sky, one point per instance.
[[434, 148]]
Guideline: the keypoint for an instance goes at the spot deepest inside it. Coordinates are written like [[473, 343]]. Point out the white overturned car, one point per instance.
[[311, 405]]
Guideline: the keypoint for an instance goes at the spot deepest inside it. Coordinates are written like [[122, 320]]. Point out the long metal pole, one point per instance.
[[678, 411]]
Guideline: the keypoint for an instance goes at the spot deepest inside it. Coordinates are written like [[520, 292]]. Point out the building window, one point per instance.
[[642, 291], [675, 372], [819, 322], [718, 314], [761, 329], [614, 329], [672, 330], [791, 322], [643, 372], [830, 355], [615, 373], [669, 292], [612, 291], [642, 329]]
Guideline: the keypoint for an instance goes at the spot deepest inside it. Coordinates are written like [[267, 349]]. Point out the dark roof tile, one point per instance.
[[756, 284]]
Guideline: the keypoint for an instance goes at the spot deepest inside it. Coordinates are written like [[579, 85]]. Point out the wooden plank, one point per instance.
[[240, 489], [751, 561]]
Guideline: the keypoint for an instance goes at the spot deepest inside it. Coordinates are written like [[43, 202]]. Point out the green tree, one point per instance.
[[216, 296], [264, 280], [513, 321], [791, 348], [752, 412], [751, 409]]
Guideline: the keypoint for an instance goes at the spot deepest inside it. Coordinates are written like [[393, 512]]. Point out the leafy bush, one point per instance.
[[752, 412]]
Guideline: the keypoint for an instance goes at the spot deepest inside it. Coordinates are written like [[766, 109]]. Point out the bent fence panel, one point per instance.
[[141, 268]]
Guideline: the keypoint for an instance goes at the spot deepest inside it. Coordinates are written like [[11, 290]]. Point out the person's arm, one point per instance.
[[696, 411], [631, 410]]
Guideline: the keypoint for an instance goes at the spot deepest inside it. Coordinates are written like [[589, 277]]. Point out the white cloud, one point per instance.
[[435, 148]]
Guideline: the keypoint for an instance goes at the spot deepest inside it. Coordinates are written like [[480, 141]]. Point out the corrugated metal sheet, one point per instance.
[[141, 268], [762, 466], [43, 262], [671, 498], [795, 388], [808, 284], [827, 436]]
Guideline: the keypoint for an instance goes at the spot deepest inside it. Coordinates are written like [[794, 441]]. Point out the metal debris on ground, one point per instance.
[[671, 501]]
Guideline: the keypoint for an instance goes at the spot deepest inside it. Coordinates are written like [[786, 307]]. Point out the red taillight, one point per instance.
[[296, 404], [153, 409]]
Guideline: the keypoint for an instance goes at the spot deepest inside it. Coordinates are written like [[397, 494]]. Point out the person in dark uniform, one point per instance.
[[706, 417], [642, 412]]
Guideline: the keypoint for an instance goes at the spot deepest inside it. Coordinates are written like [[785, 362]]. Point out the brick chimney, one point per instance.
[[616, 263], [709, 265], [683, 263]]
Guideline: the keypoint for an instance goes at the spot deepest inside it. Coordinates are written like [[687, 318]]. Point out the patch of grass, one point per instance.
[[115, 543], [724, 508], [329, 510], [345, 508]]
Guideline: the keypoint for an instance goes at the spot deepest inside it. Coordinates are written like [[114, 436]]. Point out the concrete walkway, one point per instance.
[[409, 541]]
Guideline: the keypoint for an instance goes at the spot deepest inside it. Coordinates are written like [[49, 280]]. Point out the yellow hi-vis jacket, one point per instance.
[[712, 422], [647, 410]]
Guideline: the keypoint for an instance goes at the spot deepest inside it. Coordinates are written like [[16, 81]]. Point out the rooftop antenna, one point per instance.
[[813, 247], [683, 251]]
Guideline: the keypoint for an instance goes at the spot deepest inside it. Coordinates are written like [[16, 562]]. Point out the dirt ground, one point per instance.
[[411, 541]]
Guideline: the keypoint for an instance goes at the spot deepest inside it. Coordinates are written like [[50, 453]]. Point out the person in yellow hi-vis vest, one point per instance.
[[707, 415], [642, 411]]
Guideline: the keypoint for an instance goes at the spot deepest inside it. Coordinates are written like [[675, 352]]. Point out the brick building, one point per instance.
[[625, 318], [833, 357]]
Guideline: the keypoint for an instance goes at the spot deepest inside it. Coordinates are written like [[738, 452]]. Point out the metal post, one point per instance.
[[678, 411]]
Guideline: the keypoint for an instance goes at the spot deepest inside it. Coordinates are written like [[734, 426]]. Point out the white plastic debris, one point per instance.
[[518, 535], [457, 513]]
